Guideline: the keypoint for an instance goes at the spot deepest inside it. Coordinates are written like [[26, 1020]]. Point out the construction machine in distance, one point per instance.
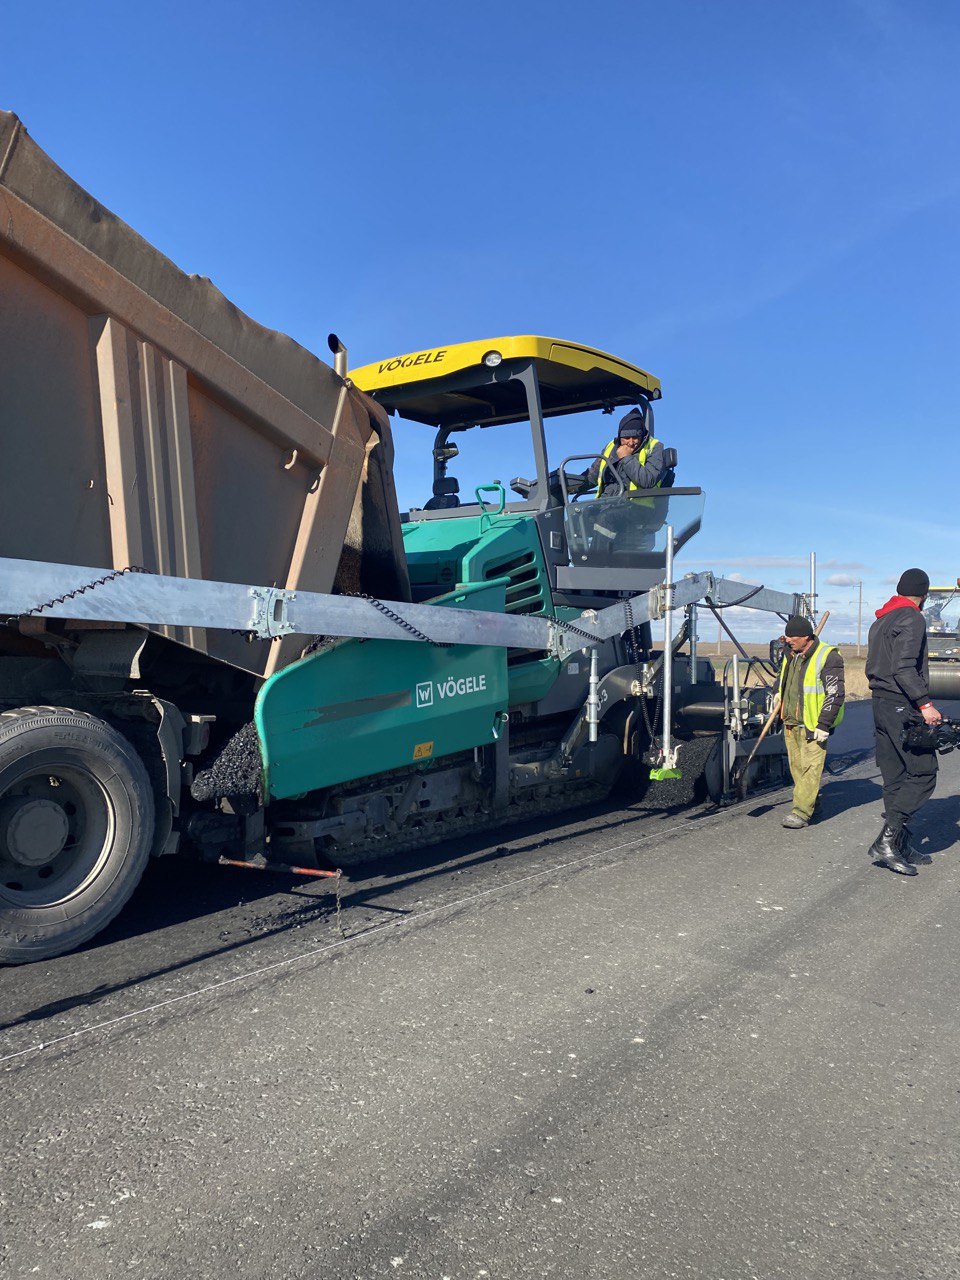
[[941, 612], [222, 637]]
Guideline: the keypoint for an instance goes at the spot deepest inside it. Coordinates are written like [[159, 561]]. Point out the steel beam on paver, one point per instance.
[[41, 589]]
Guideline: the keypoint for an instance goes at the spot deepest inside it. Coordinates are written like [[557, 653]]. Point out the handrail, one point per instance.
[[497, 488]]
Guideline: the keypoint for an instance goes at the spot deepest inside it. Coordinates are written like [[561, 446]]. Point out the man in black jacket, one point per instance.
[[896, 669]]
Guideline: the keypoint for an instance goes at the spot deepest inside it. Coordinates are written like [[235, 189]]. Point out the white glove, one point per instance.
[[821, 736], [776, 704]]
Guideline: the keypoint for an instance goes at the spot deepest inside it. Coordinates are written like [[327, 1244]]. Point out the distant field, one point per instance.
[[855, 680]]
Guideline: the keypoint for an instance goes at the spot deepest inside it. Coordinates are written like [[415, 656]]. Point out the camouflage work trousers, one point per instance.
[[806, 761]]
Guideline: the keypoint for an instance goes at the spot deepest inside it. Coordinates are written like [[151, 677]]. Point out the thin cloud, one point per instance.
[[755, 626], [783, 562], [887, 18], [777, 280]]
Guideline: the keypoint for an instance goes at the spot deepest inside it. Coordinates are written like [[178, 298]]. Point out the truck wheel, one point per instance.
[[76, 828]]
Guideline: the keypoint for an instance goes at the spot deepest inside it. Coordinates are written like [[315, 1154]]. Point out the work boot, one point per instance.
[[911, 853], [886, 849], [793, 821]]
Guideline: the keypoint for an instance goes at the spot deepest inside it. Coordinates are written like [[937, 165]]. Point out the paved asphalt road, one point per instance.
[[645, 1043]]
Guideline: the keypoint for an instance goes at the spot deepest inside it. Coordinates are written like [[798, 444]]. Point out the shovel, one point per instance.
[[766, 728]]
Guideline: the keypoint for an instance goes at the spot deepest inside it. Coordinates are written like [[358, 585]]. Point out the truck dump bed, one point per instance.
[[145, 420]]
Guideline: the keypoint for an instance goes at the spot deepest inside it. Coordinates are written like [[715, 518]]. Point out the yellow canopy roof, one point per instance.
[[434, 386]]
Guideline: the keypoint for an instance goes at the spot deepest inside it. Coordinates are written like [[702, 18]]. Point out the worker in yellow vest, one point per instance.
[[811, 695], [638, 456]]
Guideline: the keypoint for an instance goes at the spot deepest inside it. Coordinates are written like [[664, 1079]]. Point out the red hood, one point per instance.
[[897, 602]]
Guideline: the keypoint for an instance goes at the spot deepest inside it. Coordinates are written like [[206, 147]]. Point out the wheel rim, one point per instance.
[[57, 826]]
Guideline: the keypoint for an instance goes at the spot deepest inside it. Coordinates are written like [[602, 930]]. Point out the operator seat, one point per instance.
[[445, 495], [670, 465]]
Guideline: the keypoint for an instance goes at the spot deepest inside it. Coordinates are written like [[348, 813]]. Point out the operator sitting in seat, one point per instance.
[[638, 455]]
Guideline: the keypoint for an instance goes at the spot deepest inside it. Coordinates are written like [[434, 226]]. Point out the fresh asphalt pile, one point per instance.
[[236, 771], [679, 793]]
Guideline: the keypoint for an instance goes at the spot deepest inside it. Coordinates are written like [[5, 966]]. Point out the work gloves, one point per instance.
[[818, 735]]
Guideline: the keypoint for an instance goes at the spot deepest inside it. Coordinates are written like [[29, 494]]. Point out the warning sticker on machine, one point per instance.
[[450, 688], [423, 750]]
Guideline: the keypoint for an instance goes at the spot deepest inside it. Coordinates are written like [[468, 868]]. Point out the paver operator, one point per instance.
[[811, 698], [896, 669], [638, 456]]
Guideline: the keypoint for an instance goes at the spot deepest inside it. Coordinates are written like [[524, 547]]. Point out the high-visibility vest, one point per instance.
[[642, 456], [814, 694]]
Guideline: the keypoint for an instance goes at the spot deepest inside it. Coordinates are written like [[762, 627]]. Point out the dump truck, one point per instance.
[[220, 636]]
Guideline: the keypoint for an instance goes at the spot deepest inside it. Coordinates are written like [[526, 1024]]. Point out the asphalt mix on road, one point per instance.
[[647, 1042]]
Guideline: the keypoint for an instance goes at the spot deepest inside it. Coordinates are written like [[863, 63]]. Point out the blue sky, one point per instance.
[[758, 202]]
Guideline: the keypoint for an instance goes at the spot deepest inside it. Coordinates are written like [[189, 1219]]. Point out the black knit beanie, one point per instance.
[[914, 582], [798, 626], [632, 423]]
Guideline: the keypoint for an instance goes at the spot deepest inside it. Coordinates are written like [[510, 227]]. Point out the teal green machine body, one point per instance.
[[364, 707]]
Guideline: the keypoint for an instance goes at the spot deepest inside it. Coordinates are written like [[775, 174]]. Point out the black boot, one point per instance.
[[886, 849], [911, 853]]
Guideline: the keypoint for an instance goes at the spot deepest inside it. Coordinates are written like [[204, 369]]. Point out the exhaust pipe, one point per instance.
[[339, 355]]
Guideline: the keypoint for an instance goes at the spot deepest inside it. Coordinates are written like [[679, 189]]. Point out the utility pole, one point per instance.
[[859, 613]]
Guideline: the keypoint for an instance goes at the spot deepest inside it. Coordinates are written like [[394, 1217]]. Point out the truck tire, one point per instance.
[[76, 829]]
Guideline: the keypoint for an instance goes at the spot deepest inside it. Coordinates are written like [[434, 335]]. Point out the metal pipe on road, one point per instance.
[[692, 633], [593, 696], [669, 754]]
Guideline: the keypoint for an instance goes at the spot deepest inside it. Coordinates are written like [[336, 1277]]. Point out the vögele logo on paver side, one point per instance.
[[453, 687], [425, 694]]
